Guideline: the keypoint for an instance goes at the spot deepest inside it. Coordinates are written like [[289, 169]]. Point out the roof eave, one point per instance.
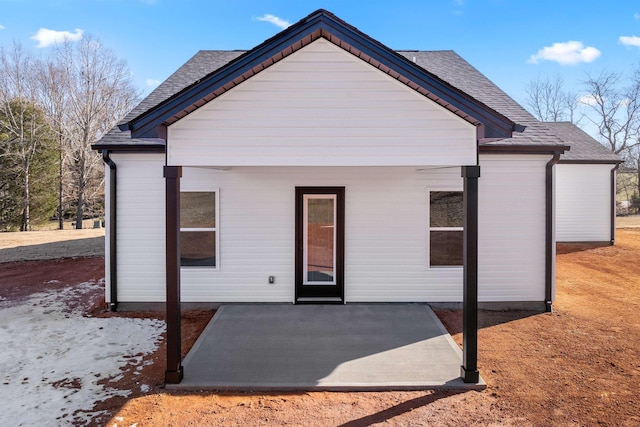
[[592, 162], [523, 149], [130, 148]]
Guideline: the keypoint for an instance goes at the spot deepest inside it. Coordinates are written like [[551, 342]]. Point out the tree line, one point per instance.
[[609, 108], [52, 108]]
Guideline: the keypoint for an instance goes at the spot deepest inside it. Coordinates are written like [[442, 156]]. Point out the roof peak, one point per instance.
[[148, 120]]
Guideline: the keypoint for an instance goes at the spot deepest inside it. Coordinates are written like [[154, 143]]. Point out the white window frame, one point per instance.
[[430, 228], [215, 229]]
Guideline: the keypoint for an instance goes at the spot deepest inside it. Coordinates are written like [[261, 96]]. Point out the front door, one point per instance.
[[320, 244]]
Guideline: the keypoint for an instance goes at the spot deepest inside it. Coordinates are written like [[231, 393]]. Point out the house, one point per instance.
[[323, 166], [585, 188]]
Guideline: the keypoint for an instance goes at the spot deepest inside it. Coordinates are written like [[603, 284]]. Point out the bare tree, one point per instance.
[[548, 100], [99, 92], [614, 107], [613, 104], [53, 98]]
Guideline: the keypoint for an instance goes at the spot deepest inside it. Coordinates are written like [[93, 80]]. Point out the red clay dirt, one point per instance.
[[577, 366]]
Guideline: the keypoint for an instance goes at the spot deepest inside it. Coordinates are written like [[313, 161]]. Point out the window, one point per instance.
[[319, 236], [199, 229], [445, 228]]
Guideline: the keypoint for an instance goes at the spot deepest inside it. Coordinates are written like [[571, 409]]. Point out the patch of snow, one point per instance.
[[53, 281], [52, 359], [145, 388]]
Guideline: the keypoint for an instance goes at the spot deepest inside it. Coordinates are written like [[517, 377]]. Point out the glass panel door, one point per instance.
[[319, 245], [319, 240]]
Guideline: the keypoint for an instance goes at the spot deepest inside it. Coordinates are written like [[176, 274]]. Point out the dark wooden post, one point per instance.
[[173, 374], [469, 369]]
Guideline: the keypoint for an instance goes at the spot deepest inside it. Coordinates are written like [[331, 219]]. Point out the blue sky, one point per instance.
[[511, 42]]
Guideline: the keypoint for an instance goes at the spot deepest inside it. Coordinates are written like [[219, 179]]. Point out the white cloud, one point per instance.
[[567, 53], [279, 22], [153, 82], [593, 100], [458, 7], [625, 102], [630, 40], [46, 37], [2, 27], [636, 16], [587, 100]]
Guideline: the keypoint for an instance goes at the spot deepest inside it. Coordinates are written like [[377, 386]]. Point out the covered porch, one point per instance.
[[323, 346], [314, 111]]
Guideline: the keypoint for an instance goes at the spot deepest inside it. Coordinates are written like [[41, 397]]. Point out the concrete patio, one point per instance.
[[324, 347]]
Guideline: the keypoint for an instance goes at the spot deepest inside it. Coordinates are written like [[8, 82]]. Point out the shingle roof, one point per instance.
[[201, 64], [453, 69], [118, 138], [446, 64], [583, 147]]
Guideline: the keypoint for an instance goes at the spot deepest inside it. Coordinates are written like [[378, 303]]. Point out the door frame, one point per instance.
[[319, 293]]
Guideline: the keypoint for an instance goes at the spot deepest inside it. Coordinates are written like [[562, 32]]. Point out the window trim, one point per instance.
[[215, 229], [429, 228]]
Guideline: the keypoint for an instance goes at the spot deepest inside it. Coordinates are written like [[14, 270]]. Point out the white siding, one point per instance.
[[511, 246], [321, 106], [141, 225], [386, 232], [583, 203]]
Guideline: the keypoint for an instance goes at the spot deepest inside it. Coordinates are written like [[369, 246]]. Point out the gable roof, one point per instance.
[[147, 122], [443, 76], [584, 149]]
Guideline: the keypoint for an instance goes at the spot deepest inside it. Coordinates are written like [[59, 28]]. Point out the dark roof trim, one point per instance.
[[592, 162], [320, 24], [523, 149], [142, 148]]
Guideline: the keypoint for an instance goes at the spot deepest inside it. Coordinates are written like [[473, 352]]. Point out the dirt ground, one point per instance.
[[577, 366]]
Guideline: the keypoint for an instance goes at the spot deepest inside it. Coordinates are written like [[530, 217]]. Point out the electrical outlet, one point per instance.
[[272, 280]]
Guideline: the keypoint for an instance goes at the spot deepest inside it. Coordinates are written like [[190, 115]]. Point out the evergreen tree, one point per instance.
[[27, 166]]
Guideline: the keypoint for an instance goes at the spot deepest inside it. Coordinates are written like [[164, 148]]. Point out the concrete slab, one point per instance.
[[324, 347]]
